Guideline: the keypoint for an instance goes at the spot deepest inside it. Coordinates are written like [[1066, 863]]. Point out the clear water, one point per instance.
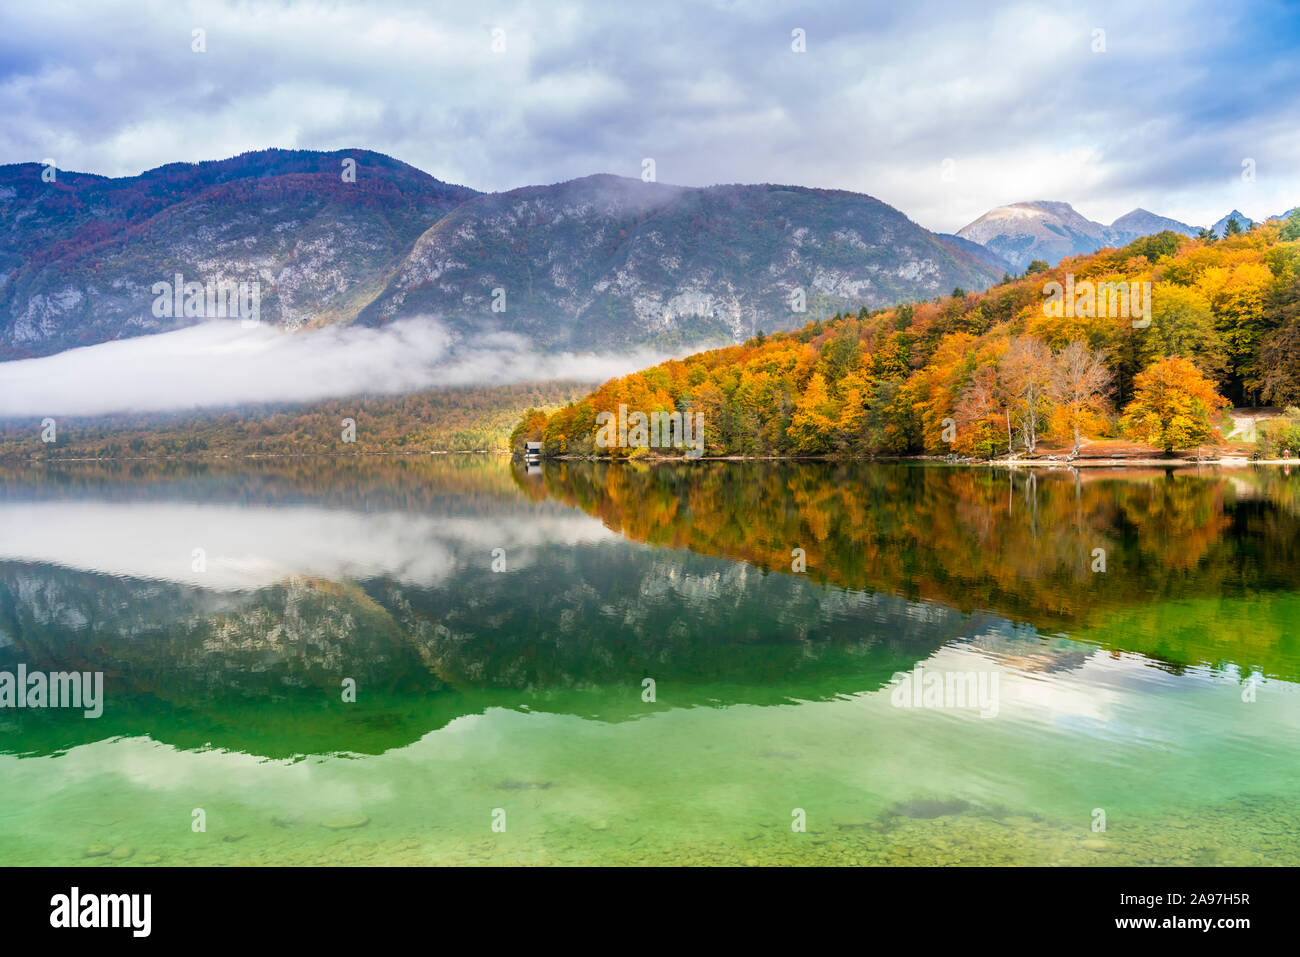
[[501, 716]]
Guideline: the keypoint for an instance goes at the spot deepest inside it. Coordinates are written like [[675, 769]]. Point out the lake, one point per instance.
[[460, 660]]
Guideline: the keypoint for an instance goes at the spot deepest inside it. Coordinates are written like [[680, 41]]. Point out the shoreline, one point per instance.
[[1227, 461]]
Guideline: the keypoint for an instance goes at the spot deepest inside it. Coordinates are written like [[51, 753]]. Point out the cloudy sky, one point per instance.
[[1020, 97]]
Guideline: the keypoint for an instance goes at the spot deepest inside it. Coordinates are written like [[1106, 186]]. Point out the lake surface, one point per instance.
[[870, 664]]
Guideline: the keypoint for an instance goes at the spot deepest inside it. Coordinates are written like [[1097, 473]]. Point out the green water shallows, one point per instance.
[[1135, 636]]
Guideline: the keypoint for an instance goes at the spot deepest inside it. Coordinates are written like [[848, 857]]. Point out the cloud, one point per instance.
[[1013, 92], [223, 364]]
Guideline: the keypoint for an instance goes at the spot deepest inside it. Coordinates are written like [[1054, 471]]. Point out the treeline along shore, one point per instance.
[[1060, 363]]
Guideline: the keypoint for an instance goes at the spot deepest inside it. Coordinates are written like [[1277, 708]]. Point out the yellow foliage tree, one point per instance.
[[1173, 405], [815, 417]]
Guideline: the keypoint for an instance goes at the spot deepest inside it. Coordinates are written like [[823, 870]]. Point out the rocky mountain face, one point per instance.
[[317, 232], [594, 263], [985, 255], [1244, 221], [1140, 222], [611, 261], [1051, 231]]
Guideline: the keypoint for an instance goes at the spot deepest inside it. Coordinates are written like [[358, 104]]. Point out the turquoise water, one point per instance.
[[501, 716]]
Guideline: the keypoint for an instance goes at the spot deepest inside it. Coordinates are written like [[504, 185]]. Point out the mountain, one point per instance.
[[1138, 223], [606, 260], [1244, 221], [592, 263], [1023, 232], [79, 256], [1051, 231], [985, 255]]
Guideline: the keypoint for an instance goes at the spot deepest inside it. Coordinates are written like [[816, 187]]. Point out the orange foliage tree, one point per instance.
[[1174, 405]]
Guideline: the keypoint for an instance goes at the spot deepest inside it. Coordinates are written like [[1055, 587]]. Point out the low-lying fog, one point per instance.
[[222, 364]]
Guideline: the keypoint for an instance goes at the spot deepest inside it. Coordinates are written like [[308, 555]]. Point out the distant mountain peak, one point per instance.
[[1244, 221], [1051, 230], [1050, 205], [1143, 222], [1038, 229], [1031, 209]]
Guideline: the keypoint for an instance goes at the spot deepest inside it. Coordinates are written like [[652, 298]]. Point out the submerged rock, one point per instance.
[[929, 808], [345, 822]]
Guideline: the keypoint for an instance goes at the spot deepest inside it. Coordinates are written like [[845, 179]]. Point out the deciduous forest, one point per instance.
[[985, 375]]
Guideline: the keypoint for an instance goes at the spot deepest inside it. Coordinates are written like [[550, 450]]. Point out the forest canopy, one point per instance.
[[997, 372]]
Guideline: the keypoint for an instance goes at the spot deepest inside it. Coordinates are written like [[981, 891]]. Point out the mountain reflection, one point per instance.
[[381, 572]]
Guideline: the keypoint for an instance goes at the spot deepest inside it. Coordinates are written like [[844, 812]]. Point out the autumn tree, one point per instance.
[[1279, 354], [840, 356], [1079, 384], [1182, 324], [855, 392], [936, 388], [1290, 230], [815, 418], [529, 429], [892, 424], [1025, 376], [1237, 295], [710, 403], [1174, 406], [892, 359], [1157, 247], [978, 414]]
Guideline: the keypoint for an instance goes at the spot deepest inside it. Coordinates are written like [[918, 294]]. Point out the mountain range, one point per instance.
[[79, 256], [1050, 231], [595, 263]]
